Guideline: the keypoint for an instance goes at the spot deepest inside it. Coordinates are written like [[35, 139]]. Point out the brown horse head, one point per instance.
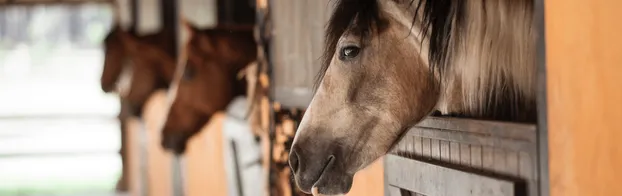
[[207, 82], [114, 59], [384, 72], [150, 67]]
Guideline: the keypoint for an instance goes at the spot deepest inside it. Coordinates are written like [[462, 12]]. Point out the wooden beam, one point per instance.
[[542, 126], [428, 179], [49, 2], [170, 23], [134, 12], [584, 71]]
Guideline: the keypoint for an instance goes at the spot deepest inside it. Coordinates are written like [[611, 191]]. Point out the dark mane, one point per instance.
[[439, 18]]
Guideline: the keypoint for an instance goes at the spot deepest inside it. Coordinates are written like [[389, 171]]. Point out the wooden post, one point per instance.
[[584, 71], [134, 5], [170, 26]]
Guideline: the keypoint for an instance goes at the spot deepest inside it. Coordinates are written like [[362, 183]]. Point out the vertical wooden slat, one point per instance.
[[436, 149], [511, 163], [418, 146], [410, 146], [526, 168], [476, 157], [499, 160], [445, 156], [465, 154], [425, 144], [454, 152], [487, 157]]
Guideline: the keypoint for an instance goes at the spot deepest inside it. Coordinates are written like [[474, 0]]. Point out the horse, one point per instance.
[[208, 80], [151, 69], [387, 64]]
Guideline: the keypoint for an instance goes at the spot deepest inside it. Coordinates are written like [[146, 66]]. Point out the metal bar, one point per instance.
[[237, 170]]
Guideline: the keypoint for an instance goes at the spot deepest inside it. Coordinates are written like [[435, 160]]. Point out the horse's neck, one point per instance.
[[490, 69]]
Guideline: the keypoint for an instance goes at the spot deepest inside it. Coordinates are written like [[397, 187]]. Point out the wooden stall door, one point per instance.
[[159, 161], [205, 169], [584, 87], [134, 156]]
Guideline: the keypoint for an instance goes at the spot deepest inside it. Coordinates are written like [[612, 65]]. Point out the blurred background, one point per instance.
[[58, 131]]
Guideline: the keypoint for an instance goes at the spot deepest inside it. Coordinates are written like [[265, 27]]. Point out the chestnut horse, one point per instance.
[[150, 68], [208, 80], [390, 63]]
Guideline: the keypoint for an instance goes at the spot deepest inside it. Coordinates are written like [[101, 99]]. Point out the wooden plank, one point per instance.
[[487, 158], [50, 2], [435, 180], [499, 161], [297, 47], [518, 131], [445, 155], [205, 161], [425, 147], [159, 167], [394, 191], [465, 154], [465, 137], [135, 161], [418, 146], [436, 149], [476, 157], [454, 152], [511, 163], [584, 71]]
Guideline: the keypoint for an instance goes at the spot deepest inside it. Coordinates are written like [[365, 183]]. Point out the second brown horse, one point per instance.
[[207, 82]]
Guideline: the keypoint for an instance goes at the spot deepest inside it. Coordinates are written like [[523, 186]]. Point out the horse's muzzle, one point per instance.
[[175, 142]]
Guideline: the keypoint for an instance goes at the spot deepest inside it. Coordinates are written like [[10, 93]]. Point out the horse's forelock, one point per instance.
[[439, 18], [363, 15]]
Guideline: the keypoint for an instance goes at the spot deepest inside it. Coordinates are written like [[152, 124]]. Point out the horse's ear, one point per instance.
[[128, 40], [189, 26], [205, 43]]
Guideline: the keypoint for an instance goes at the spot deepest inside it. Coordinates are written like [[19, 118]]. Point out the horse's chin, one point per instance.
[[315, 192], [332, 183]]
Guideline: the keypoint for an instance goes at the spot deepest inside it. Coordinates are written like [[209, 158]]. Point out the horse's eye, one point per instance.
[[349, 52], [188, 73]]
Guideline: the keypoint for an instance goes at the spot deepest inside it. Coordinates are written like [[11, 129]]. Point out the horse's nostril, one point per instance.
[[293, 161]]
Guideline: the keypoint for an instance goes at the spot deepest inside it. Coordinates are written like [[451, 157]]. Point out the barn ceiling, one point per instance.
[[33, 2]]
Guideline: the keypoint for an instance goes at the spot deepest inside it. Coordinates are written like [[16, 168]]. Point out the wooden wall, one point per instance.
[[584, 86], [297, 48]]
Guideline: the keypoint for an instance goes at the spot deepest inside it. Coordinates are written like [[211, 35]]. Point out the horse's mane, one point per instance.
[[231, 42], [437, 22], [501, 84]]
